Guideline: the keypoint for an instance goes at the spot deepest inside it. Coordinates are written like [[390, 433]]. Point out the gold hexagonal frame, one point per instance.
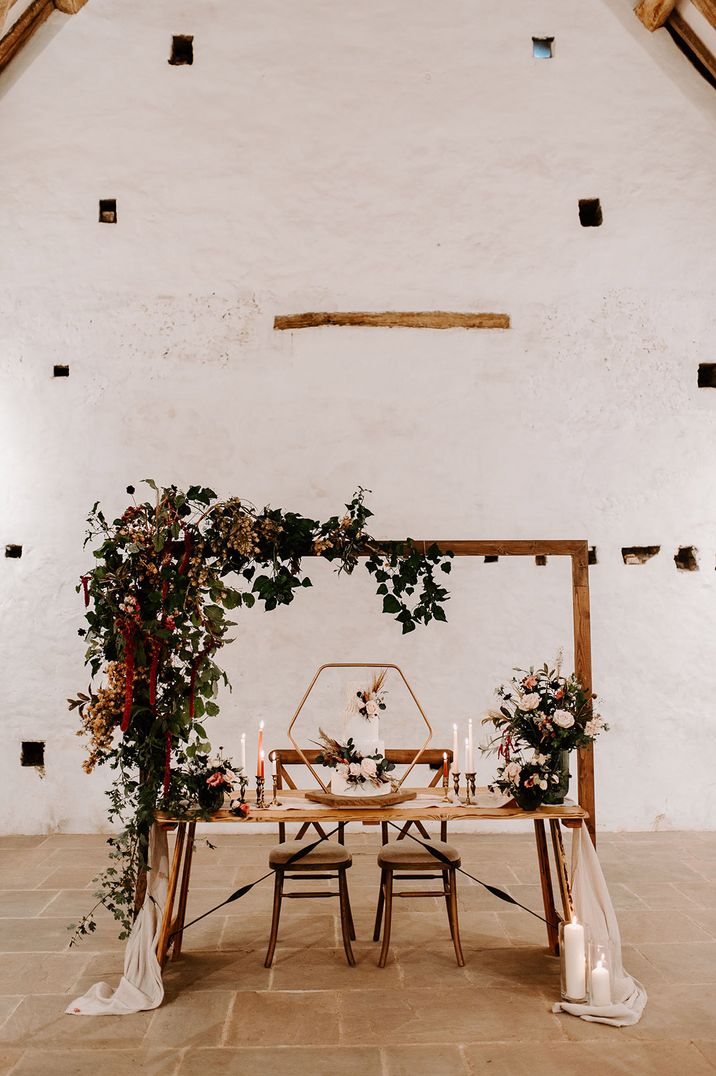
[[359, 665]]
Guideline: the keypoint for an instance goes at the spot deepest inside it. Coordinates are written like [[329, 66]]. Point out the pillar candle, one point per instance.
[[470, 754], [601, 987], [455, 756], [574, 960], [261, 744], [243, 751]]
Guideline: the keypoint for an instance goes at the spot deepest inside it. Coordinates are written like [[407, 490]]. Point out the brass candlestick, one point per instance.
[[456, 783], [243, 785], [446, 796], [470, 789], [260, 802], [275, 802]]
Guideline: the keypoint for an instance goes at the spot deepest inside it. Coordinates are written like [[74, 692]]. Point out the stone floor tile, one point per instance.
[[8, 1059], [706, 919], [707, 1047], [12, 878], [321, 969], [701, 893], [672, 1014], [663, 926], [463, 1014], [41, 973], [67, 878], [33, 935], [23, 902], [656, 895], [438, 1060], [43, 1022], [239, 971], [285, 1018], [68, 1062], [193, 1018], [15, 841], [298, 929], [612, 1058], [71, 904], [287, 1060], [687, 962]]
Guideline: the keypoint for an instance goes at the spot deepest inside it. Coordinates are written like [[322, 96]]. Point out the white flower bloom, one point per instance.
[[230, 775], [529, 702], [543, 784], [538, 759], [354, 769], [512, 771], [593, 727], [213, 764], [369, 768], [342, 770], [372, 708], [563, 718]]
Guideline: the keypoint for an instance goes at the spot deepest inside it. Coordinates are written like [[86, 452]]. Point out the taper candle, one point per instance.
[[455, 756], [445, 767], [243, 751], [470, 754], [261, 744], [261, 762], [466, 758]]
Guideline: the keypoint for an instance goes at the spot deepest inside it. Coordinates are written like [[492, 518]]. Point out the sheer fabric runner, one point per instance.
[[593, 906], [141, 985]]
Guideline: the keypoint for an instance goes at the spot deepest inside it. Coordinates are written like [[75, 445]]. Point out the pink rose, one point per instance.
[[529, 682], [215, 780]]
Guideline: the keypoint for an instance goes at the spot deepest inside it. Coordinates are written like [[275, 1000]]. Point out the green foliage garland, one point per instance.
[[167, 574]]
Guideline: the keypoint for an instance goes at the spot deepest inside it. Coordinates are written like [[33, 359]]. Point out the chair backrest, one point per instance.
[[432, 758]]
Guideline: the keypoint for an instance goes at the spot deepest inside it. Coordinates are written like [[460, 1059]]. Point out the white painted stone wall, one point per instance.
[[391, 154]]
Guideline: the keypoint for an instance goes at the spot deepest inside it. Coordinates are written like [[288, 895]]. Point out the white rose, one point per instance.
[[593, 727], [342, 770], [369, 768], [355, 769], [512, 771], [538, 759], [543, 784], [213, 764], [563, 718], [372, 708], [529, 702], [230, 775]]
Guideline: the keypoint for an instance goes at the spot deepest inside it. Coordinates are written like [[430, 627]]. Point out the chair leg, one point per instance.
[[379, 909], [351, 924], [277, 896], [345, 916], [454, 919], [387, 918], [448, 905]]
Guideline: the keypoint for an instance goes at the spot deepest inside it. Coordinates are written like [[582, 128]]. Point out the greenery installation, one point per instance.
[[167, 574]]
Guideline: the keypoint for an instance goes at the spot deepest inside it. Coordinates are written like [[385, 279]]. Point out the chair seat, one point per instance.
[[328, 855], [408, 855]]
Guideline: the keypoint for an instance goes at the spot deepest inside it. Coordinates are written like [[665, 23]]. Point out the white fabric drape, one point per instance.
[[141, 985], [593, 906]]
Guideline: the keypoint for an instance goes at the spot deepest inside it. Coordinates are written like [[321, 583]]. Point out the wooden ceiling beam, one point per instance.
[[391, 319], [21, 31], [654, 13]]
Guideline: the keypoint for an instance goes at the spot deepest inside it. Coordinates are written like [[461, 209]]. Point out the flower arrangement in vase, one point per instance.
[[543, 716], [355, 772]]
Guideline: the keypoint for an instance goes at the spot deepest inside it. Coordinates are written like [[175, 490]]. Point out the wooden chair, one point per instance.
[[396, 857], [330, 859]]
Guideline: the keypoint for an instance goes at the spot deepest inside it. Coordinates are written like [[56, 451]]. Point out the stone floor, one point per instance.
[[225, 1013]]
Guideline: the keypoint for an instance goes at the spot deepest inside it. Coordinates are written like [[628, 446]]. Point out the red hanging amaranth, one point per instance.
[[128, 633], [184, 562], [84, 579], [155, 647], [167, 763]]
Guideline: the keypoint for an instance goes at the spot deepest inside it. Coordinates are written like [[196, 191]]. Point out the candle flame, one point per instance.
[[261, 725]]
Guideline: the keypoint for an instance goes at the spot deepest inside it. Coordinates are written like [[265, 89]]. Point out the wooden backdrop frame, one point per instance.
[[578, 551]]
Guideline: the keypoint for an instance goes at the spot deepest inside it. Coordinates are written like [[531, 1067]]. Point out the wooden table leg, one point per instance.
[[545, 875], [562, 875], [163, 943], [178, 924]]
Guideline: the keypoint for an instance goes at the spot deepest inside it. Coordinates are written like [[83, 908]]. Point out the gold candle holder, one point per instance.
[[470, 789], [243, 785], [275, 802], [260, 802], [456, 784], [446, 796]]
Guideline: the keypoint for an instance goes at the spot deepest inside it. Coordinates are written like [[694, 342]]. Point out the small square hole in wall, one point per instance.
[[543, 48], [540, 560], [182, 50], [592, 555], [707, 375], [491, 560], [32, 753], [639, 554], [13, 551], [590, 212], [685, 560], [60, 371], [108, 210]]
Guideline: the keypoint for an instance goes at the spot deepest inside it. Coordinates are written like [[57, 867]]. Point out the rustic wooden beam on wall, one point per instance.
[[391, 319], [654, 13], [70, 7], [707, 9], [678, 26], [23, 29]]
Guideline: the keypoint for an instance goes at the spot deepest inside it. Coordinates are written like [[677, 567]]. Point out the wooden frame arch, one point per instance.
[[578, 551]]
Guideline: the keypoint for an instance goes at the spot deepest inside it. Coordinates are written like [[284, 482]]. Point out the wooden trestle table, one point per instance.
[[568, 814]]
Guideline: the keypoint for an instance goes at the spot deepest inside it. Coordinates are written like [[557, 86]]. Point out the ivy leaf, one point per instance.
[[391, 604]]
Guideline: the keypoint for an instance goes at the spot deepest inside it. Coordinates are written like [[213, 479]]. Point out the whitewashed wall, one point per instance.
[[391, 154]]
